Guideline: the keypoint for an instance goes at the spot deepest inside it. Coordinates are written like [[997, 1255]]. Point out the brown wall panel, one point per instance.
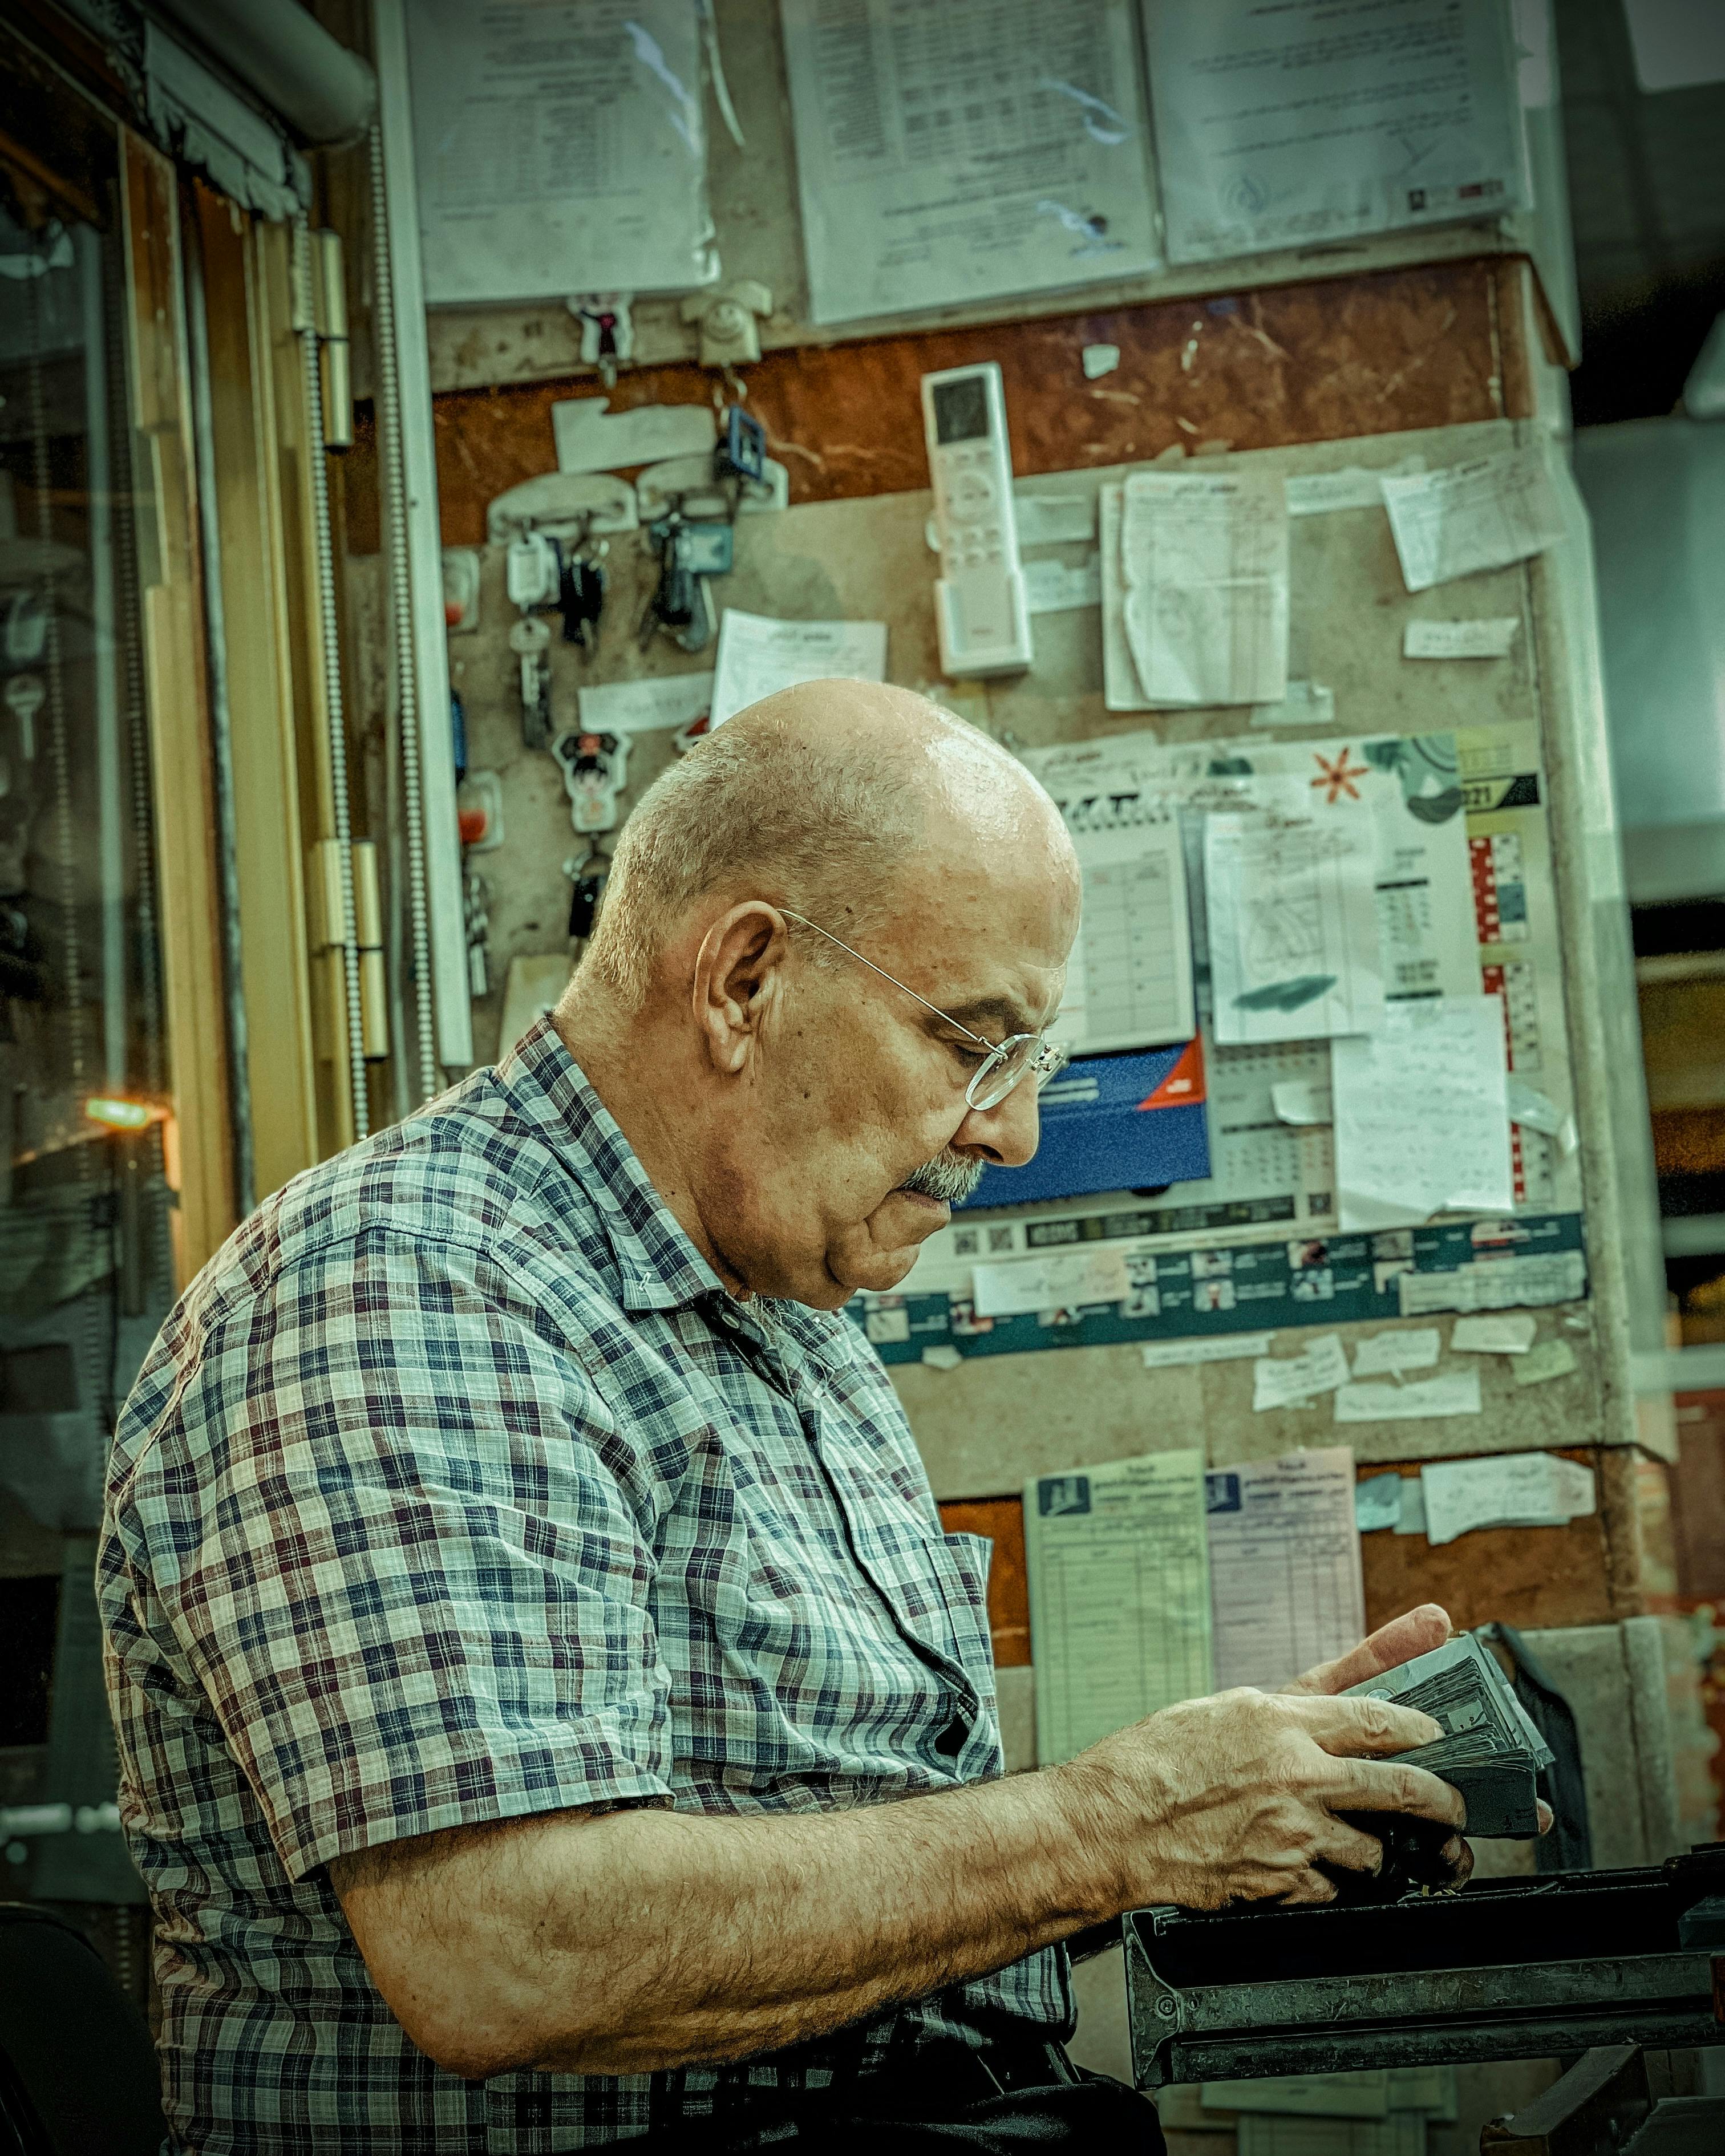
[[1298, 363], [1002, 1520]]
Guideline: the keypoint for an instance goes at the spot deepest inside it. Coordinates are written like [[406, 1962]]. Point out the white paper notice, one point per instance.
[[1284, 1381], [1482, 515], [654, 705], [1490, 638], [1516, 1489], [1205, 562], [1383, 1354], [1318, 494], [1052, 586], [1284, 1567], [1284, 127], [758, 655], [1231, 1347], [1308, 703], [1118, 1559], [1301, 1101], [590, 437], [558, 153], [1291, 906], [1496, 1284], [1129, 982], [1493, 1336], [1059, 1280], [1453, 1392], [1551, 1359], [1421, 1122], [960, 152]]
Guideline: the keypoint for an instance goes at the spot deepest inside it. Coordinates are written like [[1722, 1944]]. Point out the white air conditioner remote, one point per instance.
[[979, 604]]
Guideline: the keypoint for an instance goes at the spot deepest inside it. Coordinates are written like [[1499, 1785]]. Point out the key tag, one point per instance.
[[587, 879], [581, 593], [595, 768]]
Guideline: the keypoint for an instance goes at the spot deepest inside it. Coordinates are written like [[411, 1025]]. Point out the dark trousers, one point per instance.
[[1012, 2094]]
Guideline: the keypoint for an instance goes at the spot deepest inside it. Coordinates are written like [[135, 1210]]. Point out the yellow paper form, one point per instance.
[[1118, 1560]]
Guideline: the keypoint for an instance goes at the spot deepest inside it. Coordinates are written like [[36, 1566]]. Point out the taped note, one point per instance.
[[1284, 1381], [1551, 1359], [1493, 1336], [1229, 1348], [657, 705], [1055, 1279], [1117, 1560], [1412, 1519], [1451, 1392], [590, 437], [1516, 1489], [1422, 1120], [1384, 1353], [942, 1356], [1459, 639], [1482, 515], [1052, 586], [1285, 1592]]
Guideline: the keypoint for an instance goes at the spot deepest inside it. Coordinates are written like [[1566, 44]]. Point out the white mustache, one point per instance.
[[950, 1178]]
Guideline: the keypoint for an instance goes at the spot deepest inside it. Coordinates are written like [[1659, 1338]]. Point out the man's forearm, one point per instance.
[[645, 1939]]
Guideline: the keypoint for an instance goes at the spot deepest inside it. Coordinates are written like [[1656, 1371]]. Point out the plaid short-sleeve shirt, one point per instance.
[[456, 1488]]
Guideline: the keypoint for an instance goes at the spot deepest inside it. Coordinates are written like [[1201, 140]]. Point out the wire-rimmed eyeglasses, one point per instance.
[[1020, 1056]]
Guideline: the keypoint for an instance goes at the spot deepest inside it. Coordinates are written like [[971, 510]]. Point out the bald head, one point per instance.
[[819, 798]]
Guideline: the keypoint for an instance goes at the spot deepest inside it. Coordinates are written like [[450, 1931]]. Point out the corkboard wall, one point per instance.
[[1399, 350]]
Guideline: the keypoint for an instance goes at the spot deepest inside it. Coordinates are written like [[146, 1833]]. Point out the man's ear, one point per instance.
[[738, 971]]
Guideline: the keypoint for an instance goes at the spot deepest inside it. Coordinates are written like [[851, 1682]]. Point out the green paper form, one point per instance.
[[1118, 1562]]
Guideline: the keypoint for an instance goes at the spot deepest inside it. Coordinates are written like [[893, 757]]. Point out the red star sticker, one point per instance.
[[1338, 777]]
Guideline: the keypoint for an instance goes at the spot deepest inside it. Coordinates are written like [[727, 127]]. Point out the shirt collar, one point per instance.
[[659, 1268]]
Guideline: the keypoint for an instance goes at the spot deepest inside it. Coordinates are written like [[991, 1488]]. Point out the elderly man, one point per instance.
[[550, 1712]]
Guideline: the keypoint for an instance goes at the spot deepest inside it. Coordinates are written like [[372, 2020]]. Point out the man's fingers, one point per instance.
[[1349, 1847], [1356, 1728], [1377, 1785], [1388, 1647], [1458, 1854], [1546, 1815]]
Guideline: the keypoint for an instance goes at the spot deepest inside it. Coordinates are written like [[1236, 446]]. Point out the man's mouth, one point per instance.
[[949, 1179]]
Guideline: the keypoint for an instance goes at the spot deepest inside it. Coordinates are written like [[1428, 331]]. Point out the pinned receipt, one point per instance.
[[1482, 515], [1493, 1336], [1057, 1280], [1383, 1354], [1422, 1117], [1516, 1489], [1450, 1392]]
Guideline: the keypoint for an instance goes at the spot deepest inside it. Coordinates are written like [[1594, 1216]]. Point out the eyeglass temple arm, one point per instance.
[[993, 1047]]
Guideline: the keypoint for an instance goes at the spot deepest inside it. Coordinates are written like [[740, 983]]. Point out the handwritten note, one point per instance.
[[1493, 1336], [1481, 515], [758, 655], [1551, 1359], [1515, 1489], [1422, 1124], [1282, 1381], [1459, 639], [1409, 1348], [1205, 562], [653, 706], [1054, 1279], [1291, 910], [1117, 1559], [1318, 494], [1052, 586], [1451, 1392], [1285, 1592]]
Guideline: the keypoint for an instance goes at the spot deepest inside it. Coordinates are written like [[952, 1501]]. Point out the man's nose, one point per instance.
[[1007, 1134]]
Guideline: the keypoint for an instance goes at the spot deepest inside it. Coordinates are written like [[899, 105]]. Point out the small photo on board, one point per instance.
[[1394, 1243], [1208, 1265], [1302, 1256], [1319, 1286], [1213, 1294], [1058, 1495]]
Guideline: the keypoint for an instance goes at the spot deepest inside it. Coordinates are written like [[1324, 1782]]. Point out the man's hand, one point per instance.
[[1235, 1798]]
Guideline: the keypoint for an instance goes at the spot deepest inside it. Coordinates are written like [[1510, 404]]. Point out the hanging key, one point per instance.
[[587, 879], [581, 597], [690, 553], [529, 640]]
